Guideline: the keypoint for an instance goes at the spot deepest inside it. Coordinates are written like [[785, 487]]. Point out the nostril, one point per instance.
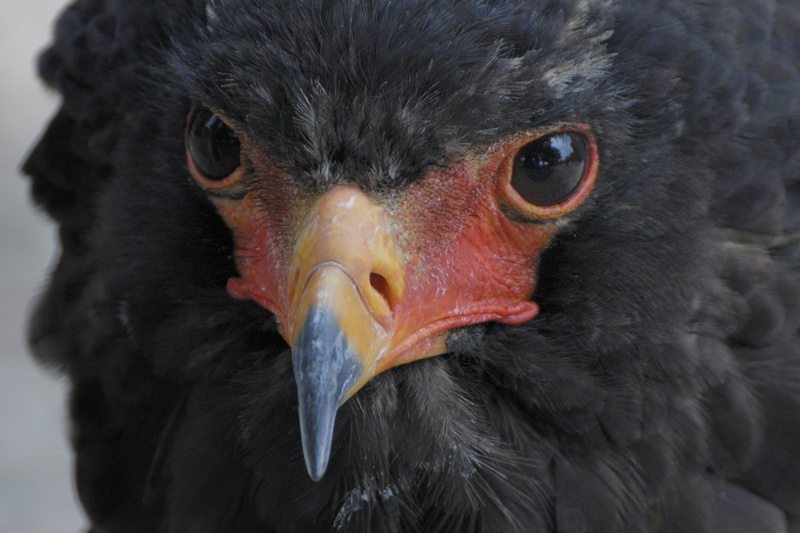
[[380, 284]]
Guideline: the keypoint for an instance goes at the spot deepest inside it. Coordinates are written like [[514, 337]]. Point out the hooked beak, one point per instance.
[[346, 277]]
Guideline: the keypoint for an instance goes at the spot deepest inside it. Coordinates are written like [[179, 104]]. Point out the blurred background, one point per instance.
[[36, 489]]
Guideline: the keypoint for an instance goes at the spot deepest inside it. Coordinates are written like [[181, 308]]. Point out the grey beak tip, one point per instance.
[[317, 469], [325, 367]]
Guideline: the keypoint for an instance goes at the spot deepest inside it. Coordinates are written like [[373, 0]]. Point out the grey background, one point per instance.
[[36, 489]]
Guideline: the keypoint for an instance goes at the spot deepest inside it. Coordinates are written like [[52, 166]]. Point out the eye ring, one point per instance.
[[549, 174], [213, 149]]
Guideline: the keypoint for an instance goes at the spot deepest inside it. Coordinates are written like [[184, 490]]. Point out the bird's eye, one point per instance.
[[213, 146], [547, 171]]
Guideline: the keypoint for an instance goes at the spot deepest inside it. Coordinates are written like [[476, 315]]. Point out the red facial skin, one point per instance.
[[439, 255]]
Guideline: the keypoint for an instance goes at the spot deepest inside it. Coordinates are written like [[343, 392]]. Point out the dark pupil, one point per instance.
[[214, 146], [547, 171]]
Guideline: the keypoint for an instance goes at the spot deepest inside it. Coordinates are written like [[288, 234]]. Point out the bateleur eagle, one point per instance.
[[427, 265]]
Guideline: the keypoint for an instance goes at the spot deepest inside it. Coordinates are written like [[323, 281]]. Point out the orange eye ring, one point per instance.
[[511, 198]]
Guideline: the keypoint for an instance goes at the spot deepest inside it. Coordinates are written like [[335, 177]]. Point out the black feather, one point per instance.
[[659, 388]]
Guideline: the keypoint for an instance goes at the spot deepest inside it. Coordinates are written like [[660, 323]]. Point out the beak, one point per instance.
[[346, 280], [325, 368]]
